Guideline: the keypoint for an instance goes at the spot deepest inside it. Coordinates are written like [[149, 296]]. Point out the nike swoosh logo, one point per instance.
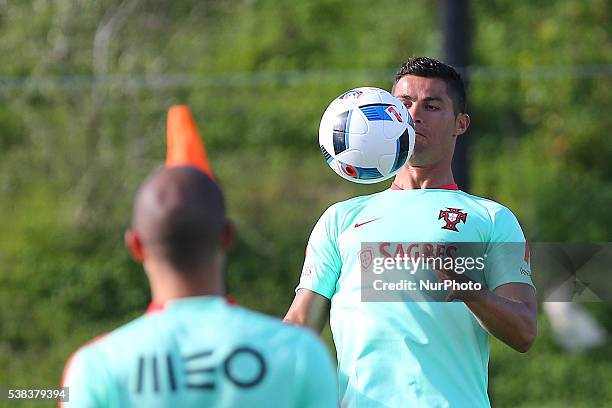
[[359, 224]]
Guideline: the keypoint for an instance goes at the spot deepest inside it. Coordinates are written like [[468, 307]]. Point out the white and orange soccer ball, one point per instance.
[[366, 135]]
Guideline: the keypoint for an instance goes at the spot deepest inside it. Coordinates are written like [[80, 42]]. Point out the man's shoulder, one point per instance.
[[84, 360], [488, 205], [347, 210], [109, 342], [357, 201], [241, 324]]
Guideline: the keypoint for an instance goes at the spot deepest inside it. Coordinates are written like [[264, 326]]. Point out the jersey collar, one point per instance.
[[444, 187], [156, 307]]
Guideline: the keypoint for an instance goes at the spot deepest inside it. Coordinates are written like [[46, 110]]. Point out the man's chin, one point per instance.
[[414, 163], [416, 158], [419, 143]]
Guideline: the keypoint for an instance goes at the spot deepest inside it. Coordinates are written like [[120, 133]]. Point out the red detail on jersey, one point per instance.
[[452, 217], [359, 224], [155, 307], [307, 270], [527, 252], [444, 187], [383, 249]]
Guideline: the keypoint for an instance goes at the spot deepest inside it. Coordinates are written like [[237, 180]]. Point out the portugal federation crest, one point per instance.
[[452, 217]]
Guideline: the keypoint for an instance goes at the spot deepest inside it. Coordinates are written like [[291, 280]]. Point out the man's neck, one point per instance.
[[168, 285], [412, 178]]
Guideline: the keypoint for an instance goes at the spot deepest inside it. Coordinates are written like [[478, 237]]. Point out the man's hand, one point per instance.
[[460, 278]]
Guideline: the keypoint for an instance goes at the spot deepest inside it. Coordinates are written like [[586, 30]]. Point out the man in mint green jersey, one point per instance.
[[418, 354], [192, 348]]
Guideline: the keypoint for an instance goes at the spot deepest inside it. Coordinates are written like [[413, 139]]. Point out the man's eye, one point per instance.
[[432, 107]]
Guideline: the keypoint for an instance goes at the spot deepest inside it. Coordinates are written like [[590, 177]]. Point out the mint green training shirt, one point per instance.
[[408, 354], [203, 352]]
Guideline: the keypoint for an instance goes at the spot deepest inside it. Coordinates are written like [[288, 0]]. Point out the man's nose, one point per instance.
[[416, 117]]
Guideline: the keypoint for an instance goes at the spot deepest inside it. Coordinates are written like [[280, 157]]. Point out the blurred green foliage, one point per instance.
[[84, 87]]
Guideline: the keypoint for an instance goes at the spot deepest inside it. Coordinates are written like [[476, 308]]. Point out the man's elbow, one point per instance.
[[526, 340], [289, 320], [296, 319]]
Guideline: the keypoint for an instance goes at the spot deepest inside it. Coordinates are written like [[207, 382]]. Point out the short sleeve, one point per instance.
[[83, 377], [322, 264], [320, 386], [507, 252]]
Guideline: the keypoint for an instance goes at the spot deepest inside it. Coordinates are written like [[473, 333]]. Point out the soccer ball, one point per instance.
[[366, 135]]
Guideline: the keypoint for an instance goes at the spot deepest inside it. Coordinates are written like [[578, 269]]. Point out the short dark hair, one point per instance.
[[180, 214], [432, 68]]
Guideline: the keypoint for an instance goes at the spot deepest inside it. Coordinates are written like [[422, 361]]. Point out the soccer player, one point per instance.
[[192, 348], [418, 354]]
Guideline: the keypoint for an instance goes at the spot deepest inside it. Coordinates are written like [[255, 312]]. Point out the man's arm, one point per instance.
[[508, 312], [309, 309]]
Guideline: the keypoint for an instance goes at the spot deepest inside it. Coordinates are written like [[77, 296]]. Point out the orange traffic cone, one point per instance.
[[184, 144]]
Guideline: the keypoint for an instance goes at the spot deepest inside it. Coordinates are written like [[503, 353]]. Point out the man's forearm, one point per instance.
[[509, 313], [510, 321], [309, 309]]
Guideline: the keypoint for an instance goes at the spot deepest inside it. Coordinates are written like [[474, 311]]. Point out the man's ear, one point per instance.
[[228, 235], [134, 245], [462, 123]]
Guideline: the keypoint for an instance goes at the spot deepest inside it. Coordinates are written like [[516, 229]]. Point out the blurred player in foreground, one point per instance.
[[418, 354], [192, 348]]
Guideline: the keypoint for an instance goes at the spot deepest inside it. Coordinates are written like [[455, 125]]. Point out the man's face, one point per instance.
[[435, 121]]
